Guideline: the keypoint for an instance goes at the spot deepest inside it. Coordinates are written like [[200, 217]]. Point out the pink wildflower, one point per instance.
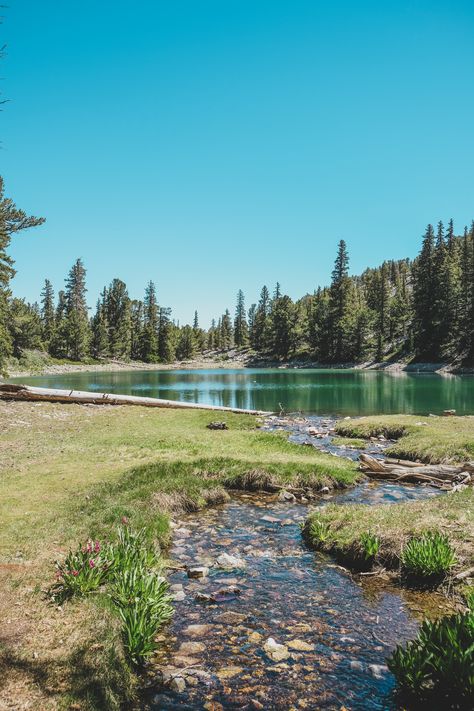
[[97, 547], [91, 563], [75, 573], [124, 520], [89, 546]]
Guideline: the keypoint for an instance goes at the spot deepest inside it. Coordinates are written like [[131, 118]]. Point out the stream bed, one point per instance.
[[336, 629]]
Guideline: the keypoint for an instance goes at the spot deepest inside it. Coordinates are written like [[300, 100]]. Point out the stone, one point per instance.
[[229, 672], [200, 571], [270, 519], [197, 630], [356, 665], [191, 648], [255, 637], [300, 645], [286, 496], [230, 618], [230, 561], [378, 671], [178, 684], [277, 652], [179, 595]]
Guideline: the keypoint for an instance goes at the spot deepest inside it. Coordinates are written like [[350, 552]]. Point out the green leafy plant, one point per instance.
[[131, 549], [83, 571], [370, 545], [429, 555], [319, 530], [439, 663], [144, 604]]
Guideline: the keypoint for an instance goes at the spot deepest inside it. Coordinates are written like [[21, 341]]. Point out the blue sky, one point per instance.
[[212, 145]]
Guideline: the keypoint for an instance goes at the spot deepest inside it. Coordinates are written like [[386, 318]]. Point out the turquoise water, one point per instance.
[[339, 392]]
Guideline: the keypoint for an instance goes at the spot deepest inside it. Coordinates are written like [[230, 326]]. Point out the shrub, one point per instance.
[[370, 545], [83, 571], [439, 663], [429, 555]]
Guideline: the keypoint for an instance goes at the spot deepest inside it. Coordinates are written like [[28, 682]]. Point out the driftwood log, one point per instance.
[[436, 474], [34, 394]]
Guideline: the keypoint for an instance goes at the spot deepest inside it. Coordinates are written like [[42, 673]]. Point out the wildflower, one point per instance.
[[124, 520], [96, 547], [91, 563], [75, 573], [89, 546]]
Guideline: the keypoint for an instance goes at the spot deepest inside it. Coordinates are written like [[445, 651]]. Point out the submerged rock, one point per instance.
[[300, 645], [230, 561], [277, 652], [200, 571], [177, 684], [286, 496]]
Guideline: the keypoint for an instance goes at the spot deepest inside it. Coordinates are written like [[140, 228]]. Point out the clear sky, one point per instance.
[[212, 145]]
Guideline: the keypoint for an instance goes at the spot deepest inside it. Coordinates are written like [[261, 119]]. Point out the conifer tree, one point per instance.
[[47, 313], [424, 293], [119, 320], [77, 329], [241, 335], [58, 346], [338, 303], [12, 221], [260, 336], [226, 333], [166, 344], [100, 328], [136, 308], [186, 344], [150, 325]]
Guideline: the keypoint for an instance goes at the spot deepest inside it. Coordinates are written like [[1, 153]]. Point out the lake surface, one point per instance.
[[338, 392]]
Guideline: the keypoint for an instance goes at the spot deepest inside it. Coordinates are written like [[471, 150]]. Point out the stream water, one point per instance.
[[337, 629]]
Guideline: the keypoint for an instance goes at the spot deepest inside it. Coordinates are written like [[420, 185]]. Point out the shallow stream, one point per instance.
[[336, 629]]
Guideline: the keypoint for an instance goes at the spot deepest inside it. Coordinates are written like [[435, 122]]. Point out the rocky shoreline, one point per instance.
[[240, 360]]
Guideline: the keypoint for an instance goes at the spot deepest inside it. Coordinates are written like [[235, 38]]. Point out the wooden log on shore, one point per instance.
[[81, 397], [437, 474]]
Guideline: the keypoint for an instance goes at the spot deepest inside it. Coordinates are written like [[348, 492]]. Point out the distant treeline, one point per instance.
[[423, 308]]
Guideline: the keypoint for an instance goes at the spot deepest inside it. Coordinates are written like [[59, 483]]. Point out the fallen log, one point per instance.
[[434, 473], [403, 462], [34, 394]]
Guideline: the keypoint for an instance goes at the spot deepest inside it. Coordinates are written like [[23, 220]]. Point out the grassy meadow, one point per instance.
[[70, 472]]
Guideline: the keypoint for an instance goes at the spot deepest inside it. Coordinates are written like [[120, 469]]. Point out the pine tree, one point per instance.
[[12, 220], [119, 319], [166, 345], [424, 295], [150, 326], [186, 344], [283, 326], [58, 345], [338, 303], [100, 328], [383, 308], [260, 338], [25, 327], [136, 308], [77, 329], [48, 320], [241, 335], [226, 333]]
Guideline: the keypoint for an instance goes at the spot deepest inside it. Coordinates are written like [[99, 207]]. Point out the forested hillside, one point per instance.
[[422, 309]]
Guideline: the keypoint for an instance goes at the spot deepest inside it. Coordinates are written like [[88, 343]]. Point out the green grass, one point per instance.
[[394, 525], [440, 439], [71, 472]]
